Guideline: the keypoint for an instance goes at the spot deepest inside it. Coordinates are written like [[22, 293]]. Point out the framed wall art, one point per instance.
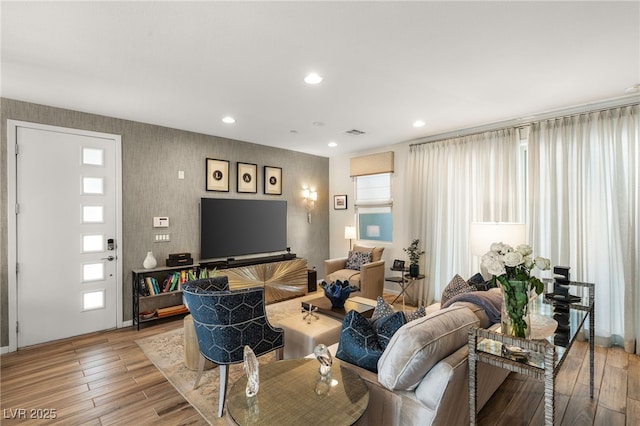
[[339, 202], [217, 175], [272, 180], [247, 179]]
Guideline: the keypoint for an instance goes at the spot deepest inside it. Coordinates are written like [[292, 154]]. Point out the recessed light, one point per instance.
[[228, 119], [419, 123], [332, 144], [312, 78]]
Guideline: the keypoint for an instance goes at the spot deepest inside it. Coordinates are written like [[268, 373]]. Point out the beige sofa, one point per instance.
[[370, 277], [422, 375]]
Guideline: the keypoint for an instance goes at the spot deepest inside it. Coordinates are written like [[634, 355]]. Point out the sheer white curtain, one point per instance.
[[452, 183], [584, 208]]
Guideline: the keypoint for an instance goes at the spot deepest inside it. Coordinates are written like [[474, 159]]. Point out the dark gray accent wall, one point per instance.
[[151, 158]]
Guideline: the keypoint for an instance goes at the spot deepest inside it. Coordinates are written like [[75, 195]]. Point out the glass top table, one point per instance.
[[545, 356], [292, 392]]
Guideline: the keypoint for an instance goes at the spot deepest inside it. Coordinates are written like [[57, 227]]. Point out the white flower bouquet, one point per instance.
[[511, 268]]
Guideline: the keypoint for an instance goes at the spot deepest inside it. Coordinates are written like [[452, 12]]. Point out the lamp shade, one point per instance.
[[349, 232], [483, 234]]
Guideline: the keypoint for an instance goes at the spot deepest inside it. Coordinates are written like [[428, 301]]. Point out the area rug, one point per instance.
[[166, 352]]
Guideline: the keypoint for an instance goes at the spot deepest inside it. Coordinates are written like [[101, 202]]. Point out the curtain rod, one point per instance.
[[536, 118]]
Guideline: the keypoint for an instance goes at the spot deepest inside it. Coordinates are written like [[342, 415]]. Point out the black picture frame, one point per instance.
[[340, 202], [398, 265], [272, 180], [217, 175], [246, 177]]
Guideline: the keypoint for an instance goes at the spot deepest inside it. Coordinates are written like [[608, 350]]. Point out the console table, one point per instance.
[[546, 355]]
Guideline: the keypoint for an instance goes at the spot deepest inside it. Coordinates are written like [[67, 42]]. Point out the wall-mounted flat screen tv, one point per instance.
[[235, 227]]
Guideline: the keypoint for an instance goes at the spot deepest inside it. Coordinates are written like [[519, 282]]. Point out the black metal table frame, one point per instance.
[[405, 281], [545, 347]]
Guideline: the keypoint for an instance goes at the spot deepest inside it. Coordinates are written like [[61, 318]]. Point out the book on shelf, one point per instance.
[[171, 310], [143, 290], [150, 287], [166, 284]]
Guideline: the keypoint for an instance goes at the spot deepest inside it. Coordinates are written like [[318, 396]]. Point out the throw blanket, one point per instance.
[[490, 301]]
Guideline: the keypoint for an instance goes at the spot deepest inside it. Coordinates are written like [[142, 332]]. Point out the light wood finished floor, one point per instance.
[[105, 379]]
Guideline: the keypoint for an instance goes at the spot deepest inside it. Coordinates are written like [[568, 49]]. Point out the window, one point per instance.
[[373, 207]]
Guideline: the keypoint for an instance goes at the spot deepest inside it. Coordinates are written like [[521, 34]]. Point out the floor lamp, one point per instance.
[[349, 234]]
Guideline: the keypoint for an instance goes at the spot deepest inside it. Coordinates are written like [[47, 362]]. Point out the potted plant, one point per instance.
[[414, 253]]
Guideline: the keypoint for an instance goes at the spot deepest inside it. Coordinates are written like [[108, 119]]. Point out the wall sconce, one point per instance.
[[310, 198], [349, 234]]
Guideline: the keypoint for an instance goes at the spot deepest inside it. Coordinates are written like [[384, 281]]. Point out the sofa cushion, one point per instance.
[[387, 326], [358, 342], [418, 313], [421, 344], [358, 258], [479, 282], [384, 309], [457, 285], [345, 275], [376, 252]]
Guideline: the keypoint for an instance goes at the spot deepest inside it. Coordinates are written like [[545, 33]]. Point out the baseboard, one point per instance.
[[4, 349], [127, 323]]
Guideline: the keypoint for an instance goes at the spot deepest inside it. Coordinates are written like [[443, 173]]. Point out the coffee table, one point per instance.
[[291, 393], [547, 355], [324, 307], [301, 336]]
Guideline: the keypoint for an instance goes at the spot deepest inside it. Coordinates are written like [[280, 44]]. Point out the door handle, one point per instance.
[[110, 258]]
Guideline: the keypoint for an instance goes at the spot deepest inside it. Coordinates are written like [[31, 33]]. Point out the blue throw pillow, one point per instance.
[[358, 343], [387, 326], [478, 281]]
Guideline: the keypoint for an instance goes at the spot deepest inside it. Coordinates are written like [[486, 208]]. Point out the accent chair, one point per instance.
[[225, 321]]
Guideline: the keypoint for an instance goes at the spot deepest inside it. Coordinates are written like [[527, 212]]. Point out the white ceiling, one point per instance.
[[385, 64]]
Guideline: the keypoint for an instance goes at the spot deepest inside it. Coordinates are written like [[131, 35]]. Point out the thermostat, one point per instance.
[[161, 222]]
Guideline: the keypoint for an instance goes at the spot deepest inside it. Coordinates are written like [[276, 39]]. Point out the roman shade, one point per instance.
[[372, 164]]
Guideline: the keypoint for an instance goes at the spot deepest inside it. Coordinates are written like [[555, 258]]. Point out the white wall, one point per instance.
[[341, 183]]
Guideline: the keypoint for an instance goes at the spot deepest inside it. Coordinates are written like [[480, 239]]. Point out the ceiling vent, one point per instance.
[[354, 132]]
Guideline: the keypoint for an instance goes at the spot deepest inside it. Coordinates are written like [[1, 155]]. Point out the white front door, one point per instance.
[[67, 190]]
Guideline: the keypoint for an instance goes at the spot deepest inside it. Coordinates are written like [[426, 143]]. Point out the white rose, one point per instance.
[[497, 247], [542, 263], [495, 267], [528, 262], [524, 249], [489, 255], [513, 258]]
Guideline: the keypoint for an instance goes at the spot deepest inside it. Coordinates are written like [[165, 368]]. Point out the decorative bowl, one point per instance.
[[338, 292]]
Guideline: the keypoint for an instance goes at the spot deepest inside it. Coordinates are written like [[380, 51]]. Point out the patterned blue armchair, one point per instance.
[[225, 321]]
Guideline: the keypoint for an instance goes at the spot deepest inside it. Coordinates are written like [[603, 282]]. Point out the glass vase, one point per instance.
[[514, 319]]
